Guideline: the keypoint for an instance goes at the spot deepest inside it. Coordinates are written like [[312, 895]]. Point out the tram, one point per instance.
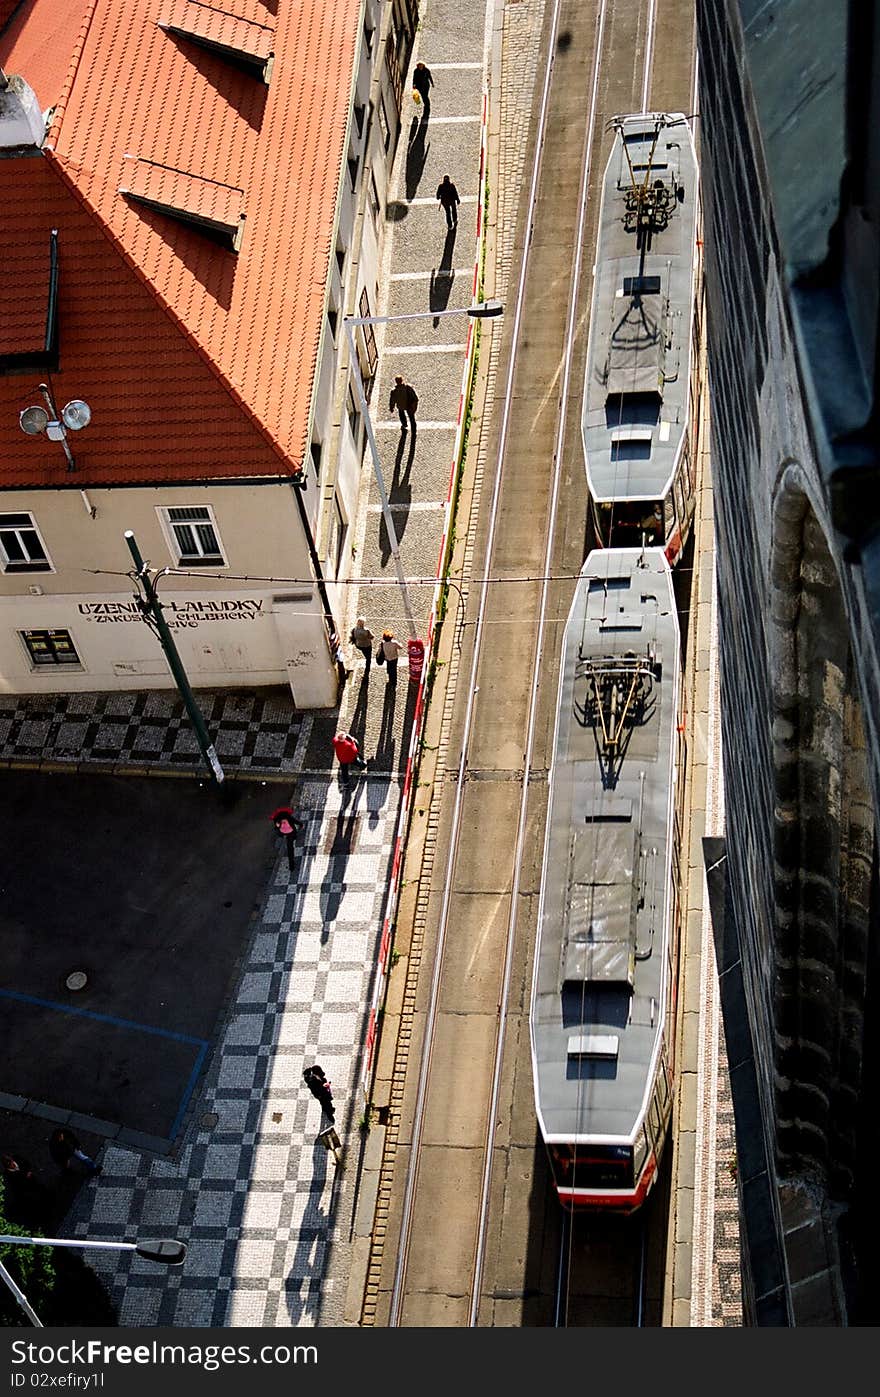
[[603, 993], [641, 388]]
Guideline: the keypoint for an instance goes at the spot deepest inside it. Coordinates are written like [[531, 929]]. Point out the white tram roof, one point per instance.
[[636, 382], [598, 1000]]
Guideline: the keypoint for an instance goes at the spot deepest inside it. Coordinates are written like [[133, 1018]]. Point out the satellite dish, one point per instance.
[[76, 414], [33, 420]]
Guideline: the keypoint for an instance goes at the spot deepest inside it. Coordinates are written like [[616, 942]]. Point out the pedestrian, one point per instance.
[[24, 1191], [17, 1170], [390, 651], [64, 1148], [319, 1086], [288, 826], [405, 398], [347, 753], [422, 84], [447, 198], [362, 639]]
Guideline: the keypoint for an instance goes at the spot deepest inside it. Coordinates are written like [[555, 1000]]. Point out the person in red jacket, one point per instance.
[[347, 753]]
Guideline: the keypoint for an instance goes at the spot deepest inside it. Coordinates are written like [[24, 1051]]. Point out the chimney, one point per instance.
[[22, 127]]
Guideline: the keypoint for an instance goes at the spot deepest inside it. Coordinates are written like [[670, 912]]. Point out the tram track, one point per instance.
[[430, 1127]]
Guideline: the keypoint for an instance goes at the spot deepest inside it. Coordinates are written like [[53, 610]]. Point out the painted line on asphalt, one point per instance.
[[112, 1019], [417, 506], [428, 348], [456, 120], [446, 67], [387, 425], [104, 1018], [465, 199], [425, 276]]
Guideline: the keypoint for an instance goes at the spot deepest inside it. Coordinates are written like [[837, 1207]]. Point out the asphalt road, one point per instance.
[[146, 885]]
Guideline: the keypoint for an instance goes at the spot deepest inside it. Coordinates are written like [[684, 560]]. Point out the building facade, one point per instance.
[[192, 202], [791, 186]]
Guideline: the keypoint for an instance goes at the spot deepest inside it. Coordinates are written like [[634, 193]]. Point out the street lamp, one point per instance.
[[167, 1253], [150, 608], [484, 310], [73, 416]]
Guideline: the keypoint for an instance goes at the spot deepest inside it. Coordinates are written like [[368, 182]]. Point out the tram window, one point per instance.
[[641, 1151], [679, 499], [592, 1166], [662, 1088], [656, 1126], [688, 473], [622, 525], [632, 410], [631, 450], [668, 516]]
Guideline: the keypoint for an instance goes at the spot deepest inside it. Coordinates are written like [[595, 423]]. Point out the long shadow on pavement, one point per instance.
[[400, 496]]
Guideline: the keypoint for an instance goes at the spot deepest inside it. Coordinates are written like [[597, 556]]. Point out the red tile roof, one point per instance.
[[137, 93], [159, 412], [40, 42]]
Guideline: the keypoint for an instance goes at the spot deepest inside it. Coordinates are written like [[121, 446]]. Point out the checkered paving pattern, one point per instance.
[[258, 1200], [256, 730]]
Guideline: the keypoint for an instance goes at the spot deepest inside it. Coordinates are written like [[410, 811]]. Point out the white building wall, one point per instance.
[[231, 625]]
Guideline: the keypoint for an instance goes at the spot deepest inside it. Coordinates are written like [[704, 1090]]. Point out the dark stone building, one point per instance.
[[790, 149]]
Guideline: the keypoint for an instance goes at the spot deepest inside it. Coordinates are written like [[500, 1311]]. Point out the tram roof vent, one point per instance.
[[600, 1045]]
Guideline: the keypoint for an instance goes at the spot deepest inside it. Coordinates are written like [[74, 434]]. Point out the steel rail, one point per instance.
[[571, 326]]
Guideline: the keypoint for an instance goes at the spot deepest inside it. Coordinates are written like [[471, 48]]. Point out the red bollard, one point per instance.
[[416, 650]]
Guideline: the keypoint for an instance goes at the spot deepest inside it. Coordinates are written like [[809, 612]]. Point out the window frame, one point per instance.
[[11, 567], [52, 665], [177, 559]]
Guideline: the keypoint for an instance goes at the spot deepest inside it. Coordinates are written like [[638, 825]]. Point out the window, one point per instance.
[[50, 647], [315, 452], [369, 339], [383, 124], [354, 415], [21, 548], [369, 31], [333, 321], [359, 112], [353, 170], [375, 205], [336, 541], [193, 536], [340, 258]]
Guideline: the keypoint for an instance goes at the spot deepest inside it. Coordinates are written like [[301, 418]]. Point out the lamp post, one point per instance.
[[167, 1253], [151, 610], [485, 309]]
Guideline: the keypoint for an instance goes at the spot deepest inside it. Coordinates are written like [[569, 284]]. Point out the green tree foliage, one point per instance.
[[30, 1267], [58, 1284]]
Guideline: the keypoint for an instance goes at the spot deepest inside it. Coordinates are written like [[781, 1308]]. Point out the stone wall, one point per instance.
[[796, 611]]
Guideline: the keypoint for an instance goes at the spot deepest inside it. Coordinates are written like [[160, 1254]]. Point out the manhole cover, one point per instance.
[[77, 980], [208, 1120]]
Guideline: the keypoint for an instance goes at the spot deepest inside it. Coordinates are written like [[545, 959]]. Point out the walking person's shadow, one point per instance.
[[358, 724], [443, 277], [400, 495], [302, 1284], [334, 886], [416, 155], [384, 758]]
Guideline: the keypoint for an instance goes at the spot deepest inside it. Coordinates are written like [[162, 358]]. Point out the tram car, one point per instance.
[[641, 390], [602, 1006]]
